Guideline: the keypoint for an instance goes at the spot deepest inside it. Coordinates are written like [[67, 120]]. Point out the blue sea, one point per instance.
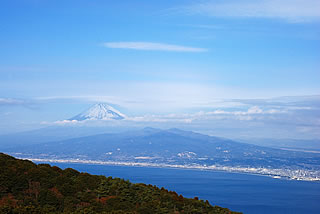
[[252, 194]]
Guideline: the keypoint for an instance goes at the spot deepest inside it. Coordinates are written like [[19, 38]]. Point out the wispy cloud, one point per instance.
[[8, 103], [288, 103], [151, 46], [252, 113], [289, 10], [12, 102]]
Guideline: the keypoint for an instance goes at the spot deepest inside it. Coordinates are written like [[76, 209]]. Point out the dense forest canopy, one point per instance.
[[26, 187]]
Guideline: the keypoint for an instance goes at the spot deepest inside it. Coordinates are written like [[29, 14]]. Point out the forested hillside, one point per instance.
[[26, 187]]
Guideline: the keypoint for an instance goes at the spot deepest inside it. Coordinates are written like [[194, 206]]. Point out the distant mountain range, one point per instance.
[[157, 147], [174, 147], [100, 111]]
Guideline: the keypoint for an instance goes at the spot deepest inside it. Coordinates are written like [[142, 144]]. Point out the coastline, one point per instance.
[[272, 173]]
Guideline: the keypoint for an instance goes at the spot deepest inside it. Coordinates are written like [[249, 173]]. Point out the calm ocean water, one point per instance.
[[250, 194]]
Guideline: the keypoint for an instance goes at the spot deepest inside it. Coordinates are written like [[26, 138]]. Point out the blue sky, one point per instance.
[[155, 57]]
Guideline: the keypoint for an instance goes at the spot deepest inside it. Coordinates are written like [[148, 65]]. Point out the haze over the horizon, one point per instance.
[[240, 68]]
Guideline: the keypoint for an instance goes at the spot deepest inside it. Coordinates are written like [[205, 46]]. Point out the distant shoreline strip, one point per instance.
[[274, 173]]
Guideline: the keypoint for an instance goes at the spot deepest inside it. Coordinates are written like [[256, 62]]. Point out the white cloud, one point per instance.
[[289, 10], [87, 98], [10, 101], [17, 102], [61, 122], [151, 46], [255, 110], [252, 113]]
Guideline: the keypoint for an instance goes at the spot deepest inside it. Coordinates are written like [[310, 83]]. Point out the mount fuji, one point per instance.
[[100, 111]]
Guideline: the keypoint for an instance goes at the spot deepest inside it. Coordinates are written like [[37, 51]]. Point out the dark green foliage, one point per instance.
[[29, 188]]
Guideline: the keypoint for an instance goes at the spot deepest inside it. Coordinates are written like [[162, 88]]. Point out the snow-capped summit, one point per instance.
[[100, 111]]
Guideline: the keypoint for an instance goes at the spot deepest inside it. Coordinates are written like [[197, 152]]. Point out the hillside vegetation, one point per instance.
[[26, 187]]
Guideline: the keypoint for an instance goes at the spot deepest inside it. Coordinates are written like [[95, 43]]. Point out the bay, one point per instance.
[[252, 194]]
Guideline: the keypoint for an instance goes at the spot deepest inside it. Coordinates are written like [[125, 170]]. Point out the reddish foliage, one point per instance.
[[83, 204], [8, 200], [34, 188], [56, 192], [104, 200]]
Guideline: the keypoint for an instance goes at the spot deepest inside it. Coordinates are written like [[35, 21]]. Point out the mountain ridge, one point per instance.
[[173, 147]]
